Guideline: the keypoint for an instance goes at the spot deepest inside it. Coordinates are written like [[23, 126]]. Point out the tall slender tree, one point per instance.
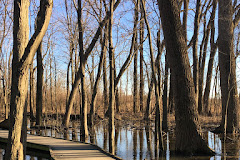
[[135, 72], [39, 93], [111, 81], [158, 125], [141, 40]]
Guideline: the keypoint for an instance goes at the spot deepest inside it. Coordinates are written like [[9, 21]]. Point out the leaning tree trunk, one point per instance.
[[100, 66], [227, 67], [31, 97], [24, 51], [188, 140], [85, 54]]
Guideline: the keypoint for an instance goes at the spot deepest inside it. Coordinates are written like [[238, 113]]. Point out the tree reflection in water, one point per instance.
[[138, 142]]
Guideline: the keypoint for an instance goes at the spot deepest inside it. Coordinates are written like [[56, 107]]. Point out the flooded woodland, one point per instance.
[[135, 139], [127, 79]]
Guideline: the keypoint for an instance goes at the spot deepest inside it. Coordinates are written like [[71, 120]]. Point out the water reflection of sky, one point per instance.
[[28, 157], [139, 144]]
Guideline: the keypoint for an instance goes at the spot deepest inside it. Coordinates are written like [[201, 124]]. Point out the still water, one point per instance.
[[138, 142], [30, 155]]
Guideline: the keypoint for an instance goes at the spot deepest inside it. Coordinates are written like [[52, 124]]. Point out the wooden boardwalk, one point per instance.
[[63, 149]]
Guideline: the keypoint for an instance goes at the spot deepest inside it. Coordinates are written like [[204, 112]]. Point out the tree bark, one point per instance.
[[141, 39], [165, 97], [188, 140], [24, 51], [39, 93], [195, 47], [100, 66], [111, 86], [227, 67], [171, 101], [135, 74], [31, 91]]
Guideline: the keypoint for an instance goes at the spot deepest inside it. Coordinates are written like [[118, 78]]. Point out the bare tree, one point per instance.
[[111, 86], [39, 93], [135, 73], [141, 39], [195, 45], [80, 73], [165, 96], [158, 125], [202, 58], [23, 53], [188, 140], [227, 67]]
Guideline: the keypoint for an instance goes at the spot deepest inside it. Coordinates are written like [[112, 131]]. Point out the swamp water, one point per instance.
[[138, 142]]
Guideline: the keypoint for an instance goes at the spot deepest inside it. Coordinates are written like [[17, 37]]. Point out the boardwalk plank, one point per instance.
[[64, 149]]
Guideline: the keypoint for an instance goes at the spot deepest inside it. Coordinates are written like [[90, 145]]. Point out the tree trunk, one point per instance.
[[165, 96], [202, 60], [195, 47], [83, 124], [111, 86], [31, 97], [171, 102], [24, 51], [39, 93], [185, 17], [227, 67], [85, 54], [210, 63], [5, 98], [213, 47], [135, 74], [158, 125], [141, 39], [147, 115], [188, 140], [100, 66], [105, 88]]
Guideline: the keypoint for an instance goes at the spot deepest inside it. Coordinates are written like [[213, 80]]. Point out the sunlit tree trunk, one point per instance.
[[23, 53], [111, 86]]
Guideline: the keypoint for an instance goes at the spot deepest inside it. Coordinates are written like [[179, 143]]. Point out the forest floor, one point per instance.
[[136, 120]]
